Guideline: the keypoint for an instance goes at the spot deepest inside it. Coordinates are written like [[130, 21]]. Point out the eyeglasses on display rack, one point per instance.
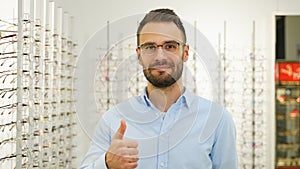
[[43, 135]]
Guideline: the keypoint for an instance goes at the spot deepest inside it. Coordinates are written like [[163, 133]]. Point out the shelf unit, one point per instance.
[[37, 61], [287, 115]]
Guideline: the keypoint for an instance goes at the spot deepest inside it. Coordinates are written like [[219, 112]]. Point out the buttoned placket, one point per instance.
[[167, 121], [163, 143], [163, 138]]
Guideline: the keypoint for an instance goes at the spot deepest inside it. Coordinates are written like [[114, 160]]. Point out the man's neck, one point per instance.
[[163, 98]]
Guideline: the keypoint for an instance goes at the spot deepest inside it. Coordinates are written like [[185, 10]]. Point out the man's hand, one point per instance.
[[122, 154]]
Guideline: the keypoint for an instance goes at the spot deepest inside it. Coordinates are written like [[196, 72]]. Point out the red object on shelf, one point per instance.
[[294, 113], [298, 99], [282, 98], [287, 72], [287, 167]]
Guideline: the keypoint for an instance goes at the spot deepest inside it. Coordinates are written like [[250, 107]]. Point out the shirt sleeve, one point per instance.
[[95, 157], [223, 153]]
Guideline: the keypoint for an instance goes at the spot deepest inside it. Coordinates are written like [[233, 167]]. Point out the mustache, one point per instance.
[[161, 63]]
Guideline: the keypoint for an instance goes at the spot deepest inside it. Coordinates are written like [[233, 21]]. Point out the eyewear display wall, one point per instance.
[[37, 60]]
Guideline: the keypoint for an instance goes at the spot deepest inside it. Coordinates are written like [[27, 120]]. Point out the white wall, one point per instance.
[[9, 11], [91, 16]]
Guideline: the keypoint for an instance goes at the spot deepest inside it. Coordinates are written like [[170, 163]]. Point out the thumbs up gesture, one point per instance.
[[122, 153]]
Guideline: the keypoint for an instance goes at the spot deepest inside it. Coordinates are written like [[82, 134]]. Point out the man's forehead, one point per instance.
[[166, 30]]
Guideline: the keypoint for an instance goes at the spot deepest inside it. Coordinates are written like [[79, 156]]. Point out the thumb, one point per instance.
[[121, 130]]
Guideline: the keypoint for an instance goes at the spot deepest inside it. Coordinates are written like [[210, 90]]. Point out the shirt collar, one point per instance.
[[145, 97], [186, 97]]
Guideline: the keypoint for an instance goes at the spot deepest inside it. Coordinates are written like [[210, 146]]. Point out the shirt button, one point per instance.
[[162, 164]]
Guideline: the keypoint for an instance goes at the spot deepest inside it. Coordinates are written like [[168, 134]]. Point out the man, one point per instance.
[[167, 126]]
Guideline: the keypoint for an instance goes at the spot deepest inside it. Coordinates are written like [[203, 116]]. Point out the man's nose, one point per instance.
[[160, 52]]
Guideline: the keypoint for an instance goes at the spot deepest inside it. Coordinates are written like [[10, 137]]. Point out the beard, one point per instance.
[[163, 78]]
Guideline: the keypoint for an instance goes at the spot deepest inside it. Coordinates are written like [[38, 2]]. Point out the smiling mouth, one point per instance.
[[161, 68]]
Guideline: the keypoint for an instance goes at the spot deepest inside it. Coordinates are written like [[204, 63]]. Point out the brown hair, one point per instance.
[[161, 15]]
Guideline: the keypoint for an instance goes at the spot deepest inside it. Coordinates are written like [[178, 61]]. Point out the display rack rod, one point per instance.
[[107, 65], [57, 30], [31, 79], [224, 61], [48, 68], [64, 25], [9, 31], [107, 39], [194, 56], [253, 93], [19, 86], [138, 80], [71, 116], [219, 68]]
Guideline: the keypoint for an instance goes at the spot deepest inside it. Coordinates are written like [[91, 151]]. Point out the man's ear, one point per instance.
[[186, 53], [137, 50]]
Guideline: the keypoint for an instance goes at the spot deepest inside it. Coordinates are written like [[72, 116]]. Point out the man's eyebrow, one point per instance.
[[148, 43], [171, 41], [151, 43]]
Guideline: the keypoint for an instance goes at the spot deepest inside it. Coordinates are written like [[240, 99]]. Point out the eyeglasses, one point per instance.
[[150, 48], [45, 123]]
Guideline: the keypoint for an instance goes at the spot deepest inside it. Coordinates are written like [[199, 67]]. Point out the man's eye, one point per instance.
[[170, 46], [150, 47]]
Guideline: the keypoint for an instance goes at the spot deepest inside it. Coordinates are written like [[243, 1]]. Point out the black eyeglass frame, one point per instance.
[[162, 45]]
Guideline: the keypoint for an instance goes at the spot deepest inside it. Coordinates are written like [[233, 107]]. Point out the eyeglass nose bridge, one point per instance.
[[162, 47], [161, 53]]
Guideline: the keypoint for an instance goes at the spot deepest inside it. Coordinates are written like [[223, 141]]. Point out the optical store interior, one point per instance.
[[64, 63]]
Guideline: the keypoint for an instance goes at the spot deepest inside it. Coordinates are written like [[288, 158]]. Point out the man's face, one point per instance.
[[162, 53]]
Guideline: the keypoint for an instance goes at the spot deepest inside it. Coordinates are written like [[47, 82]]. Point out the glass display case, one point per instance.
[[287, 115]]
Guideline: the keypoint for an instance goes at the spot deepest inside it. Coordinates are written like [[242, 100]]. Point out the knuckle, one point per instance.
[[123, 158], [118, 142], [136, 151], [135, 143], [134, 165], [121, 143]]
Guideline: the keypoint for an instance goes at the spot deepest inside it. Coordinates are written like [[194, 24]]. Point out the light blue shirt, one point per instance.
[[194, 133]]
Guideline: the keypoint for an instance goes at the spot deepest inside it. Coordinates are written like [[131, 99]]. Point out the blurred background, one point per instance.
[[64, 63]]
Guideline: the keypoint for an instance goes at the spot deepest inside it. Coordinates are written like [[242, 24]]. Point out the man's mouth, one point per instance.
[[161, 67]]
